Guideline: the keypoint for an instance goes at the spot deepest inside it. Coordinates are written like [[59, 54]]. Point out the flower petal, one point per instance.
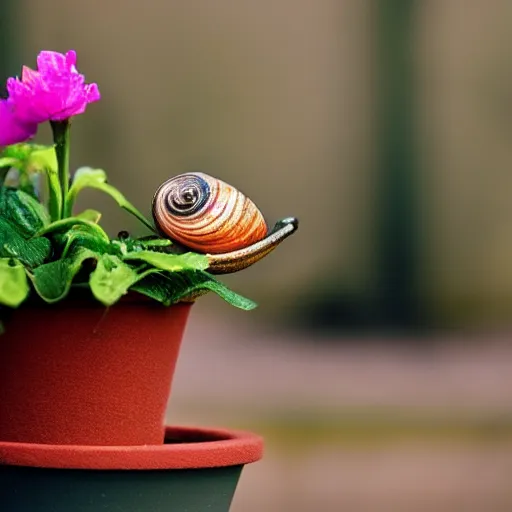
[[51, 62], [12, 130], [92, 93], [56, 91], [30, 106], [28, 75], [71, 59]]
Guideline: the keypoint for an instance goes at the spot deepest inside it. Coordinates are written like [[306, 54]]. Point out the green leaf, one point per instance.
[[8, 162], [112, 278], [22, 151], [31, 253], [33, 208], [44, 159], [28, 183], [154, 242], [127, 244], [169, 288], [14, 287], [166, 288], [228, 295], [86, 177], [83, 236], [68, 223], [90, 215], [34, 158], [170, 262], [27, 213], [52, 281]]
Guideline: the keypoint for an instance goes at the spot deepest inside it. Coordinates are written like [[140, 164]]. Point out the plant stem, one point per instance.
[[61, 137]]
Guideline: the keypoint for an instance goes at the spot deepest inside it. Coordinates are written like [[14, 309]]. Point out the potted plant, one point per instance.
[[92, 324]]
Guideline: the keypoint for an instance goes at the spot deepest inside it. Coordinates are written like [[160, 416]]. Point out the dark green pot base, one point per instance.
[[195, 470]]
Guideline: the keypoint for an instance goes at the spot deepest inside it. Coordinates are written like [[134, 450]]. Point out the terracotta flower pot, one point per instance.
[[195, 470], [79, 373]]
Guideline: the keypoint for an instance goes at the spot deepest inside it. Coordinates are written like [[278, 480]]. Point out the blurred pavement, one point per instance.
[[370, 427]]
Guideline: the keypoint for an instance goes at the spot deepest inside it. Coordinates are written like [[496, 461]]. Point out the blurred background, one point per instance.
[[379, 363]]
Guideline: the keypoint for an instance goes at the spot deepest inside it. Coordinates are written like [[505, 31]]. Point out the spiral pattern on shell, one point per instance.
[[206, 214]]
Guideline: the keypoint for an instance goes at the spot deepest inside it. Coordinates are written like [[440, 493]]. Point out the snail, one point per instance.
[[199, 212]]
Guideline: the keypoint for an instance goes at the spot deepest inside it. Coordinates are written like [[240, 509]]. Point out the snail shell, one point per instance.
[[206, 214]]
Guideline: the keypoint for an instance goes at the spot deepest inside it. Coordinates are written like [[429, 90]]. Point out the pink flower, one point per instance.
[[56, 91], [12, 130]]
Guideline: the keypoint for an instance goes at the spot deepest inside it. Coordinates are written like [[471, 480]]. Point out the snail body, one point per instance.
[[238, 260], [205, 214]]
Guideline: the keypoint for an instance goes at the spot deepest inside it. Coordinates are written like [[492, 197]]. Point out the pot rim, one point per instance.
[[185, 448], [80, 298]]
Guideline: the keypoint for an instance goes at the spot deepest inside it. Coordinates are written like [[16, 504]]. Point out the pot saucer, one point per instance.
[[184, 448]]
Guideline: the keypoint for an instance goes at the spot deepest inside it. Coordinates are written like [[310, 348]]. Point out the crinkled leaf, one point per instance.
[[112, 278], [33, 207], [83, 236], [52, 281], [25, 212], [31, 252], [65, 224], [170, 262], [14, 287], [169, 288], [86, 177]]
